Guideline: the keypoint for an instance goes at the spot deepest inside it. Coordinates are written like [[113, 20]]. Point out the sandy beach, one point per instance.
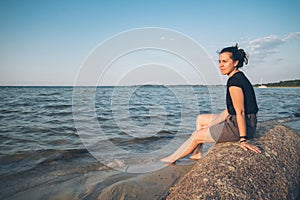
[[154, 185]]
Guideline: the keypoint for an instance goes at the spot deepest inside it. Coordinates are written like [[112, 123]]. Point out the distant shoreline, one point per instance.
[[281, 84], [289, 83], [106, 86], [278, 87]]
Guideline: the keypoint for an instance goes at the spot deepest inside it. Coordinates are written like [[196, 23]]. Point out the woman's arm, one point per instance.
[[237, 97]]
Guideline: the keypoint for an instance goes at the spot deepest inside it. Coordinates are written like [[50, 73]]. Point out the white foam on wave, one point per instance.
[[116, 163]]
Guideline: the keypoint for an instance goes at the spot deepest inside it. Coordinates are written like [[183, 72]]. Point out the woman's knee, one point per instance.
[[203, 119]]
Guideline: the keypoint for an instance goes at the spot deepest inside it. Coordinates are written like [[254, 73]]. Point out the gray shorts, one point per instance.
[[228, 131]]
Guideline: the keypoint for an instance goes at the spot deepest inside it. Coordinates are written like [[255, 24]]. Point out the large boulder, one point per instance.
[[229, 172]]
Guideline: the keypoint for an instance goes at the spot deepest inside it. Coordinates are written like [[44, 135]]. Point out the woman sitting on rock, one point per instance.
[[237, 122]]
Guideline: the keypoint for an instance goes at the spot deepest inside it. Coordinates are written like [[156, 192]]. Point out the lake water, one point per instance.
[[77, 138]]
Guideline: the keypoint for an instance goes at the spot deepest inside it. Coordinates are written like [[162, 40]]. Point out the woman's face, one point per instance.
[[226, 64]]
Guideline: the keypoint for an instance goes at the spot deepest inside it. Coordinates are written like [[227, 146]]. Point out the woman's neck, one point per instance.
[[233, 72]]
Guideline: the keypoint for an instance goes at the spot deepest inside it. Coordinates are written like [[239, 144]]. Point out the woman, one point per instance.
[[237, 122]]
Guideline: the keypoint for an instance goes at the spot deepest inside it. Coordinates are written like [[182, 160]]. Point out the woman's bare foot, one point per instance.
[[196, 156], [196, 153]]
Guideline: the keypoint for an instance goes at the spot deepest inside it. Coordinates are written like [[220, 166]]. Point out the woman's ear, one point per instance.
[[235, 63]]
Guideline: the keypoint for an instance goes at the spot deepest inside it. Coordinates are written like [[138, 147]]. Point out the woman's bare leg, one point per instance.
[[202, 121], [198, 137]]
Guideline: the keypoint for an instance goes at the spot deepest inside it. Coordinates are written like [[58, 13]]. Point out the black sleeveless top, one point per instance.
[[241, 81]]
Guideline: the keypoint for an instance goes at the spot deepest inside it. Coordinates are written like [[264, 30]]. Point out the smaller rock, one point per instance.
[[231, 168], [297, 114]]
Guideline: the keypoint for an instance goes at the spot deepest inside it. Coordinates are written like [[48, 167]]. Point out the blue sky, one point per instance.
[[46, 42]]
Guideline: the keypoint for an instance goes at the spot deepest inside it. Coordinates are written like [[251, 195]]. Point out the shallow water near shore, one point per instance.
[[43, 155]]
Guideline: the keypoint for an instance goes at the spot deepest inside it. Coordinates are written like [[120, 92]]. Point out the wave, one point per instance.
[[55, 106], [42, 159], [9, 111], [50, 94], [60, 114], [44, 167], [143, 144]]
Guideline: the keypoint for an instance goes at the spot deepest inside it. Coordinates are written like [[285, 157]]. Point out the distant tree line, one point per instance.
[[290, 83]]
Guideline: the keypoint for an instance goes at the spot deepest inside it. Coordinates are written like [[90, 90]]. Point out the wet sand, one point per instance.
[[150, 186], [105, 185]]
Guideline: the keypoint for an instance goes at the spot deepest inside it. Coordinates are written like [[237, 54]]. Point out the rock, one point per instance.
[[297, 114], [229, 172]]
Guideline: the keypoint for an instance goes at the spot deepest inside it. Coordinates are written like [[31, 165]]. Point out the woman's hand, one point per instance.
[[245, 145]]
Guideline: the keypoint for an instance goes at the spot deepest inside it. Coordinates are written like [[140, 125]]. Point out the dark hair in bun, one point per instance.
[[237, 54]]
